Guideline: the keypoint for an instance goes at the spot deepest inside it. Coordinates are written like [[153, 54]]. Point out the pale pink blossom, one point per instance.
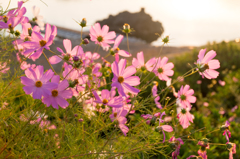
[[163, 69], [101, 36], [206, 66], [185, 117], [185, 96], [140, 64]]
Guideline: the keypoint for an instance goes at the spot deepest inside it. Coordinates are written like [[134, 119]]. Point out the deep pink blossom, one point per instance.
[[167, 128], [156, 97], [37, 82], [102, 36], [148, 116], [232, 149], [58, 95], [226, 132], [123, 78], [119, 116], [163, 69], [206, 66], [139, 62], [185, 96], [177, 142]]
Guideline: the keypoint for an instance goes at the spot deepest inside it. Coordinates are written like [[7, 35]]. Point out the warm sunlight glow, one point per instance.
[[190, 9]]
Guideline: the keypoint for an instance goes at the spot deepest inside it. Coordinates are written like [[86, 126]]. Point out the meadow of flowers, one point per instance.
[[95, 108]]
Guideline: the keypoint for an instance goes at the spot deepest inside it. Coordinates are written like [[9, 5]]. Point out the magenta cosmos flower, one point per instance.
[[166, 128], [58, 95], [102, 36], [156, 97], [123, 78], [163, 69], [116, 51], [108, 99], [139, 62], [37, 83], [35, 47], [206, 66], [119, 116], [185, 96], [185, 117], [226, 132], [177, 143]]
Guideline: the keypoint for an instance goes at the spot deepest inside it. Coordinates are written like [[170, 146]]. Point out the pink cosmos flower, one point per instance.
[[12, 13], [156, 97], [202, 155], [116, 51], [58, 95], [27, 31], [11, 23], [90, 57], [185, 117], [235, 79], [123, 78], [38, 43], [185, 96], [226, 132], [148, 116], [107, 98], [167, 128], [38, 18], [3, 67], [102, 36], [234, 108], [70, 53], [119, 116], [222, 83], [232, 149], [37, 83], [163, 69], [139, 62], [199, 82], [178, 142], [206, 66], [206, 104]]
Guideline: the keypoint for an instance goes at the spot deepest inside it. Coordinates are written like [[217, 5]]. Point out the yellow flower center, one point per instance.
[[42, 43], [38, 84], [54, 93], [105, 101], [120, 79], [99, 38]]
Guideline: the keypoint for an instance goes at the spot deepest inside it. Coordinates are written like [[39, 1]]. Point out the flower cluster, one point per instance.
[[84, 79]]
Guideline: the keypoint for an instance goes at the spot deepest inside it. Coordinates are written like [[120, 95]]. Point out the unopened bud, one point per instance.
[[83, 22], [126, 28], [85, 41], [17, 33], [76, 58], [165, 40]]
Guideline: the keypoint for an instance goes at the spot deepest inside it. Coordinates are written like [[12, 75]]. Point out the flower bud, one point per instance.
[[165, 40], [85, 41], [76, 58], [83, 22], [17, 33], [153, 120], [126, 28]]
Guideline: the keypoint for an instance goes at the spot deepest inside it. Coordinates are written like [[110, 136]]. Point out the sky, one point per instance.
[[186, 22]]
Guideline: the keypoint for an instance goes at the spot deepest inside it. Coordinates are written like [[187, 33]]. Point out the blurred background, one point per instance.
[[187, 22]]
